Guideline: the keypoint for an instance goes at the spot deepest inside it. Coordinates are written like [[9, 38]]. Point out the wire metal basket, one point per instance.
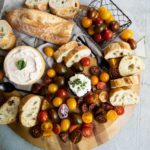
[[119, 15]]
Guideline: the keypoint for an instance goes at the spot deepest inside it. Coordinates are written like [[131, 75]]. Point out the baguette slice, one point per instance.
[[9, 110], [76, 55], [29, 109], [123, 96], [116, 50], [66, 9], [130, 65], [125, 81], [64, 50], [40, 24], [37, 4], [7, 37]]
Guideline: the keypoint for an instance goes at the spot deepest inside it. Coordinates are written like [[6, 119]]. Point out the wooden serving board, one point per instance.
[[102, 132]]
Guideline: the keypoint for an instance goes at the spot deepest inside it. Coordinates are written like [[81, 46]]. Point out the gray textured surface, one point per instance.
[[136, 134]]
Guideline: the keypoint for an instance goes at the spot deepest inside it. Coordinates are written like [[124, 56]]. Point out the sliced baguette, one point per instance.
[[76, 55], [130, 65], [37, 4], [7, 37], [9, 110], [64, 8], [123, 96], [64, 50], [41, 24], [125, 81], [116, 50], [29, 109]]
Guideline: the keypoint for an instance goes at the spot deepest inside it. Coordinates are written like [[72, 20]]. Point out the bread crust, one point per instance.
[[125, 81], [119, 46], [40, 24]]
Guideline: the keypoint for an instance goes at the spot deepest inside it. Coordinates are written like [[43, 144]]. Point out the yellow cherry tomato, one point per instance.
[[104, 13], [47, 126], [86, 22], [52, 88], [127, 34], [71, 103], [48, 133], [49, 51], [112, 115], [65, 125], [104, 77], [87, 117], [94, 80], [57, 101], [110, 19], [114, 63], [51, 73], [91, 30]]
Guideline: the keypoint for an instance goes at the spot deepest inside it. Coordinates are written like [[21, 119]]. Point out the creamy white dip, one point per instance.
[[33, 70], [80, 84]]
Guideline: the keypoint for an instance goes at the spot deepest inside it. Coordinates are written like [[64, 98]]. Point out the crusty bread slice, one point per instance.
[[123, 96], [7, 37], [125, 81], [130, 65], [64, 8], [29, 109], [64, 50], [37, 4], [117, 49], [76, 55], [9, 110]]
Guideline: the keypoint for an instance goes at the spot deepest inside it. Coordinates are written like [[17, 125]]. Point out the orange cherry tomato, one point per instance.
[[127, 34], [104, 77], [111, 115], [86, 22], [87, 117], [104, 13], [94, 80]]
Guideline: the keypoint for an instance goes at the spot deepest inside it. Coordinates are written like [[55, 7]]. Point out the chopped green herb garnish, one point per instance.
[[21, 64]]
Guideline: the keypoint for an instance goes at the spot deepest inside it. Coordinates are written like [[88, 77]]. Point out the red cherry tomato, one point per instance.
[[87, 131], [119, 110], [98, 21], [42, 116], [107, 35], [85, 61], [62, 93], [101, 86], [97, 37]]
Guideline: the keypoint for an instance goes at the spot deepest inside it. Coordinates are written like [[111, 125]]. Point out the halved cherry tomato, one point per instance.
[[85, 61], [86, 22], [43, 116], [73, 127], [101, 85], [119, 110]]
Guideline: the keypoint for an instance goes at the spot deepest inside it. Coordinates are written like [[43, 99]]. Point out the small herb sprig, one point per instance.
[[21, 64], [79, 83]]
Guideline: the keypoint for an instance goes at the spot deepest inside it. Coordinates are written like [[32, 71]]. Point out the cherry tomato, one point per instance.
[[71, 103], [97, 37], [47, 126], [62, 93], [86, 22], [57, 101], [133, 43], [73, 127], [104, 13], [51, 73], [65, 125], [49, 51], [107, 35], [101, 86], [94, 80], [98, 21], [52, 88], [110, 19], [92, 13], [89, 99], [85, 61], [100, 28], [56, 129], [91, 30], [111, 115], [114, 63], [114, 26], [43, 116], [104, 77], [87, 131], [127, 34], [119, 110], [87, 117]]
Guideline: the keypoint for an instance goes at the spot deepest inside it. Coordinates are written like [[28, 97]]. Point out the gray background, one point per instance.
[[136, 134]]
